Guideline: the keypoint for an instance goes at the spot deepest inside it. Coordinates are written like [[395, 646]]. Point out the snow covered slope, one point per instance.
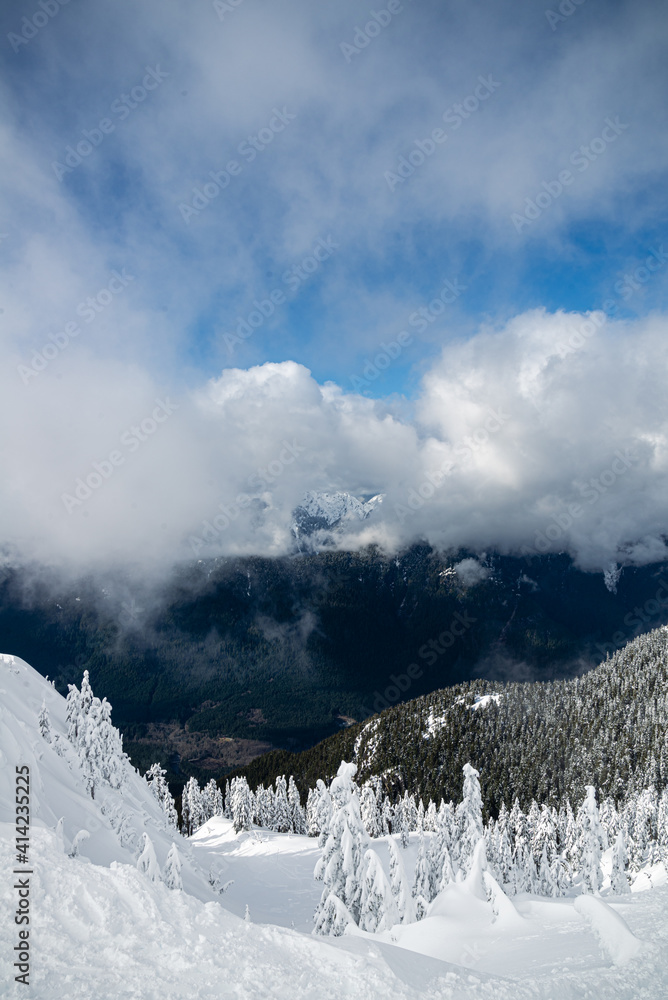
[[101, 928]]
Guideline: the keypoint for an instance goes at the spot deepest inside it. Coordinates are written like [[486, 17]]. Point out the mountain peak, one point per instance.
[[323, 511]]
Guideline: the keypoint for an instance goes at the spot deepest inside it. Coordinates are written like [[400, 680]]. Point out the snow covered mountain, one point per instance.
[[326, 511], [102, 922]]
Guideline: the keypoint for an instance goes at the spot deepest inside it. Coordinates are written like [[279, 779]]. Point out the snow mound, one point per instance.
[[612, 931]]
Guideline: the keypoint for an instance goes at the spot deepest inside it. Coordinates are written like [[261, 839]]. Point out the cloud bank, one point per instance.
[[543, 435], [191, 196]]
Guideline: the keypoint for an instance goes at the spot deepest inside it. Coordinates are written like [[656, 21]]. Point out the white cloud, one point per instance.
[[512, 445]]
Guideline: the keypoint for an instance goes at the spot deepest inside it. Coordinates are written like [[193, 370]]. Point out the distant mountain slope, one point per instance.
[[533, 740], [286, 651]]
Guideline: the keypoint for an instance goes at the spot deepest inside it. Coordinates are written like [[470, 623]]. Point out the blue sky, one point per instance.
[[320, 109], [323, 174]]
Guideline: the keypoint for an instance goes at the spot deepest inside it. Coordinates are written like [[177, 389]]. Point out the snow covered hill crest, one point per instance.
[[104, 829]]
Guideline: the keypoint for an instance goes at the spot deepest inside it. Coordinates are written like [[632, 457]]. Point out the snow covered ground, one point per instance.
[[100, 928]]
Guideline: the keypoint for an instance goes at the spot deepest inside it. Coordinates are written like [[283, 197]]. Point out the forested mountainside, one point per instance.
[[283, 652], [543, 740]]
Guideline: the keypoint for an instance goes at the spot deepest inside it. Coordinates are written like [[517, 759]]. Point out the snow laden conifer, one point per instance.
[[469, 819], [399, 886], [421, 889], [441, 870], [264, 807], [377, 908], [321, 812], [410, 812], [619, 883], [341, 864], [387, 815], [155, 777], [172, 873], [212, 800], [191, 807], [147, 862], [98, 744], [297, 817], [44, 723], [242, 807], [73, 712], [590, 841], [282, 818], [401, 823], [643, 812], [662, 826], [371, 806]]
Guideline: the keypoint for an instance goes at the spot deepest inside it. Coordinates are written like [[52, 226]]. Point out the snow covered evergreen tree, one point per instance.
[[377, 908], [191, 810], [401, 822], [399, 885], [155, 777], [147, 861], [340, 867], [282, 818], [387, 814], [242, 808], [421, 888], [172, 873], [44, 723], [469, 819], [297, 817], [590, 842], [619, 883], [370, 805]]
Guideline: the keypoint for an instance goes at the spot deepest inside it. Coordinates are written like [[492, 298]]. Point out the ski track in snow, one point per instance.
[[101, 929]]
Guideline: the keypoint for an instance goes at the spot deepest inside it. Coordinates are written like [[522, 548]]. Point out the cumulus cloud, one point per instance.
[[543, 435], [118, 446]]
